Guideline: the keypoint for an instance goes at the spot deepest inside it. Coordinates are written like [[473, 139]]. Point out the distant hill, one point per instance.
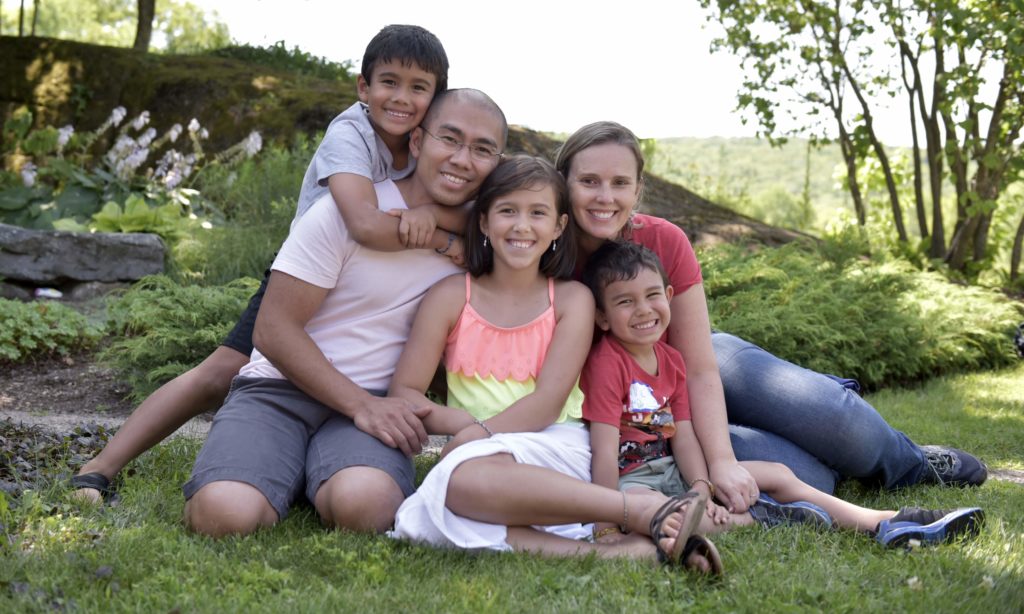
[[69, 82], [750, 175]]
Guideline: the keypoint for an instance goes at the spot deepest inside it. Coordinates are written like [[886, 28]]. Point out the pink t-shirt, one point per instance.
[[644, 407], [672, 246], [372, 296]]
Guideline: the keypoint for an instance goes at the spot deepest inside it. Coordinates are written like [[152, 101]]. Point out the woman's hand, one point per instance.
[[735, 488]]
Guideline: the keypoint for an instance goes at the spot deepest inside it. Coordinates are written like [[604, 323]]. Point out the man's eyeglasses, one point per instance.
[[479, 152]]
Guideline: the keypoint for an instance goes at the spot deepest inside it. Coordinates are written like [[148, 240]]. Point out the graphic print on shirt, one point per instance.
[[651, 416]]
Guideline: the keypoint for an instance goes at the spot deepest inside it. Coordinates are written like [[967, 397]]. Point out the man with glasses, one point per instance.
[[308, 415]]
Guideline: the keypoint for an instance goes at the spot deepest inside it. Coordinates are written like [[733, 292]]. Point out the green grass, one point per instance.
[[138, 557]]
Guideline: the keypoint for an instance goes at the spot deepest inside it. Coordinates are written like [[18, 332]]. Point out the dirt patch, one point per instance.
[[73, 385], [59, 394]]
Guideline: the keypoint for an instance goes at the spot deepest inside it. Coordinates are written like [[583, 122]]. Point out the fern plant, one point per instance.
[[164, 329]]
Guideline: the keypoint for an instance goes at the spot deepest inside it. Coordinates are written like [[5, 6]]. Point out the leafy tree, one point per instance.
[[178, 26], [961, 66]]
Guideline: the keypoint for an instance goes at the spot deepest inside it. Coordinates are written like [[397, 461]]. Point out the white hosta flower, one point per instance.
[[123, 147], [253, 143], [117, 115], [64, 135], [172, 179], [141, 120], [193, 126], [174, 132], [147, 137], [28, 174], [204, 133]]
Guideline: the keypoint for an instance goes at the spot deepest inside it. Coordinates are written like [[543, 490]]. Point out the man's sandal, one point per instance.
[[95, 481], [690, 506], [702, 546]]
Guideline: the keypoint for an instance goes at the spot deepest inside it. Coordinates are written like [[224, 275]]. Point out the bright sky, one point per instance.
[[552, 65]]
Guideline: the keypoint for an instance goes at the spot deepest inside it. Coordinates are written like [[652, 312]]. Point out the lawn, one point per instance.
[[137, 556]]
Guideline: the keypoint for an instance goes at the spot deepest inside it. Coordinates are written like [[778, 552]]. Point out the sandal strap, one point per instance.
[[668, 508], [97, 481], [705, 547]]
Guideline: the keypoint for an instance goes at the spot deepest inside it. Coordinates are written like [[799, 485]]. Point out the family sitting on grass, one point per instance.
[[418, 240]]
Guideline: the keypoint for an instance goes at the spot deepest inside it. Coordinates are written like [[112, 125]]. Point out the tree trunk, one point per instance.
[[1018, 243], [922, 220], [35, 16], [21, 19], [144, 31], [883, 159], [849, 155]]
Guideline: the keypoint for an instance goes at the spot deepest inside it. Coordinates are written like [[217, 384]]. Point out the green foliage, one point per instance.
[[164, 329], [137, 216], [63, 184], [223, 253], [881, 323], [257, 199], [250, 191], [39, 329], [278, 56]]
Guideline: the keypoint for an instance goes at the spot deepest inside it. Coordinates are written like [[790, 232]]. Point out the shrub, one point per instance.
[[40, 329], [166, 329], [294, 60], [882, 323], [224, 253]]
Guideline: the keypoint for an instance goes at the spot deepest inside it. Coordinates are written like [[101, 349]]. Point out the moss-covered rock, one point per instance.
[[70, 82]]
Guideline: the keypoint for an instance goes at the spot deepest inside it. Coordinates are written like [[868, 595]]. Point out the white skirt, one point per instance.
[[424, 518]]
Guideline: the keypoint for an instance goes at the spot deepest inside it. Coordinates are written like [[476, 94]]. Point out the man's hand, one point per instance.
[[396, 422], [416, 228], [735, 488]]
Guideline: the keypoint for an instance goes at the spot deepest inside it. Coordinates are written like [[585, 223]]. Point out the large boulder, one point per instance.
[[54, 258]]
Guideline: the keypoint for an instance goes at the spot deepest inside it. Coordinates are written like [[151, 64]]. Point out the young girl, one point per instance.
[[514, 335]]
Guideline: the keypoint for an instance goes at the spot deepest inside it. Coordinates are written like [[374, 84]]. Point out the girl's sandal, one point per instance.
[[702, 546], [691, 506]]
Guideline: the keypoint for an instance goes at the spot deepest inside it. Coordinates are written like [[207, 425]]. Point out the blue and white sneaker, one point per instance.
[[770, 513], [929, 526]]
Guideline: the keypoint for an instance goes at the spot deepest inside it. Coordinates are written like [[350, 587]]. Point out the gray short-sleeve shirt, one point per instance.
[[350, 145]]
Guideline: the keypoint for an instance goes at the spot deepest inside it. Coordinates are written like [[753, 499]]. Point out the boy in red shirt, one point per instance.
[[636, 403]]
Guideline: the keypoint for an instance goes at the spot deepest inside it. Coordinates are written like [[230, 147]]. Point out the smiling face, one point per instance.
[[398, 96], [453, 177], [521, 225], [604, 189], [636, 311]]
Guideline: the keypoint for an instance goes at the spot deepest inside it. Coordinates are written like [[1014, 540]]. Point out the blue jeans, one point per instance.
[[809, 422]]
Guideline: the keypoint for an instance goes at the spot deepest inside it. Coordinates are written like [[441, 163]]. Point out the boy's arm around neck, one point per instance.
[[356, 200]]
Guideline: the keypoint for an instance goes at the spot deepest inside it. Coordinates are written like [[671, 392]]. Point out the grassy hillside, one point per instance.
[[752, 177]]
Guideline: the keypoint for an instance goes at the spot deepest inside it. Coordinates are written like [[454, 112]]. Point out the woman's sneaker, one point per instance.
[[953, 467], [929, 526], [770, 513]]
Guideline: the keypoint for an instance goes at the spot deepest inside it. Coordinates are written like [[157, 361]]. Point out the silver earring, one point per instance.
[[485, 240], [554, 245]]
